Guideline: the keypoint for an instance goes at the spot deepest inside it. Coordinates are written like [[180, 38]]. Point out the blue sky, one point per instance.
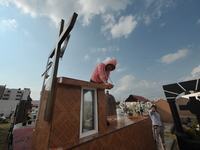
[[155, 42]]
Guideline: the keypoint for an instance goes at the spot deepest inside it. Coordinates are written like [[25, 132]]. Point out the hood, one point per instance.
[[112, 62]]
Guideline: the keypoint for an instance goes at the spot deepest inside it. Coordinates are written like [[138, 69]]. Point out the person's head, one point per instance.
[[153, 108], [107, 92], [111, 65]]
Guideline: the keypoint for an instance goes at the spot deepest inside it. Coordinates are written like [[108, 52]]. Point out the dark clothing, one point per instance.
[[95, 82]]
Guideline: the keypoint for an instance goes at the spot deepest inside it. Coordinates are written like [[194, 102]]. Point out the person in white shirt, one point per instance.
[[158, 127], [3, 118]]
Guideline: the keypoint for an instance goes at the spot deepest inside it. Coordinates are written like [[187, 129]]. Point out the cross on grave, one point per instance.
[[57, 52], [193, 106]]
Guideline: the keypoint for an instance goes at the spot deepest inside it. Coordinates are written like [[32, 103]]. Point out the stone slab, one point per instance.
[[168, 127], [169, 143]]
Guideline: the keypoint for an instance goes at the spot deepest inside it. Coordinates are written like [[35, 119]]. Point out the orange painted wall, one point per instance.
[[136, 136], [65, 122], [63, 129], [40, 136], [164, 110]]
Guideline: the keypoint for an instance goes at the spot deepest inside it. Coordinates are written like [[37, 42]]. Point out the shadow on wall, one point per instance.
[[184, 114], [164, 110], [183, 101]]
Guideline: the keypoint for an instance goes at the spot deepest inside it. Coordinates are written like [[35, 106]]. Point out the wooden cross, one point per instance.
[[193, 106], [57, 52]]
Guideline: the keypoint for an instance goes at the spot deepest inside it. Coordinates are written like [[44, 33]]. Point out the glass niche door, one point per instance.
[[88, 113]]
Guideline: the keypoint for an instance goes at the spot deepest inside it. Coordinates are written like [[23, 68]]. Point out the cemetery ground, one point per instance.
[[172, 136], [3, 135], [5, 127]]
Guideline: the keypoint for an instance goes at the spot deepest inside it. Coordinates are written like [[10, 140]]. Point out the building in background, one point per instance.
[[2, 88], [15, 94], [34, 109], [9, 98]]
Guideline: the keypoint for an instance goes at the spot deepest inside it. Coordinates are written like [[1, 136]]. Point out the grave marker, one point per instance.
[[57, 52], [193, 106]]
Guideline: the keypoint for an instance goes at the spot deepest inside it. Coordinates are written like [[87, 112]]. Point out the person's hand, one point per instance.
[[110, 86]]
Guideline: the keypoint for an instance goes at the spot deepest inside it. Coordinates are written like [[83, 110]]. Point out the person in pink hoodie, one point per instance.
[[102, 72]]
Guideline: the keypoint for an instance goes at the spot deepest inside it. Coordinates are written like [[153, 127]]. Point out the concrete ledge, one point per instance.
[[76, 82]]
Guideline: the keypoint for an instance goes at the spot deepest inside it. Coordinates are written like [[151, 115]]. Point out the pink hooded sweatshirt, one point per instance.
[[100, 71]]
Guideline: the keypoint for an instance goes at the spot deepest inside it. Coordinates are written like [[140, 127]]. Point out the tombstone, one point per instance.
[[19, 116], [21, 111], [110, 104], [72, 115]]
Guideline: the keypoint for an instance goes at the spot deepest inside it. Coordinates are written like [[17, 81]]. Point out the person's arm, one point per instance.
[[150, 112], [102, 73], [110, 86]]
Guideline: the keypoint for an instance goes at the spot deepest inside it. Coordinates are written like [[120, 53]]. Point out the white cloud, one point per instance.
[[126, 83], [124, 27], [148, 3], [129, 85], [28, 7], [158, 11], [109, 21], [105, 49], [121, 69], [158, 7], [198, 21], [194, 74], [9, 24], [86, 57], [4, 2], [163, 24], [107, 59], [34, 93], [147, 20], [145, 84], [90, 8], [25, 32], [170, 58], [56, 10], [98, 60]]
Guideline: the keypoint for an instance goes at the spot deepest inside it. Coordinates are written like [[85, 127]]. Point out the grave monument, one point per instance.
[[72, 113], [171, 92]]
